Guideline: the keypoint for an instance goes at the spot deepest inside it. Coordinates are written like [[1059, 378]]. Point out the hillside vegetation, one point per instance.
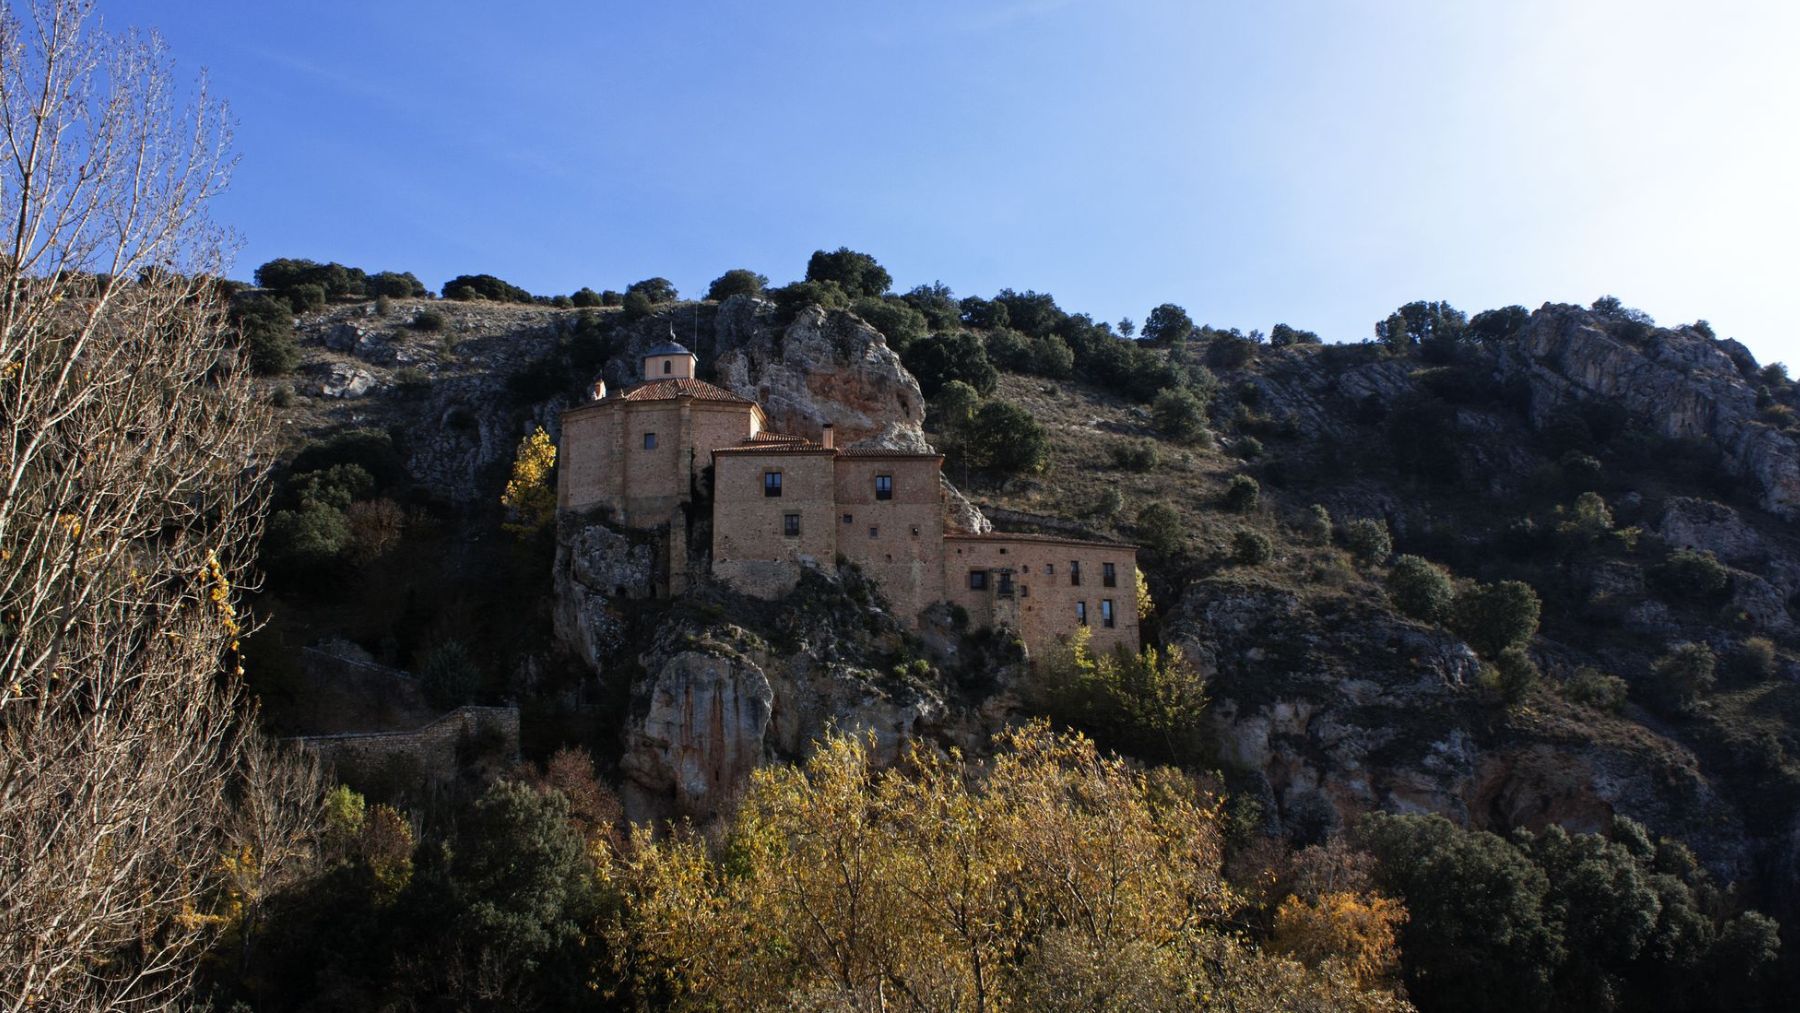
[[1529, 572]]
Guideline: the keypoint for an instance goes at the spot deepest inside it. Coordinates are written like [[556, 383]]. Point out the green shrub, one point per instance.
[[1689, 576], [1514, 675], [938, 304], [1242, 495], [1137, 455], [448, 675], [306, 298], [586, 298], [899, 323], [657, 290], [1167, 324], [1051, 356], [1005, 439], [611, 297], [1179, 413], [428, 320], [307, 539], [637, 306], [1494, 617], [737, 281], [1679, 677], [1420, 589], [1009, 349], [1754, 660], [1368, 540], [857, 274], [395, 285], [282, 396], [1251, 548], [477, 287], [1247, 447], [941, 358], [266, 329], [1316, 524], [791, 299], [1594, 688], [954, 406], [1160, 530], [1110, 503]]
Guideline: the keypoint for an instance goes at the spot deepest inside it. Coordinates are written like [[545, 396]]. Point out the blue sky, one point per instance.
[[1305, 162]]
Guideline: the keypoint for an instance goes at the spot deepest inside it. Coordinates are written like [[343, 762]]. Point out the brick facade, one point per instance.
[[781, 503]]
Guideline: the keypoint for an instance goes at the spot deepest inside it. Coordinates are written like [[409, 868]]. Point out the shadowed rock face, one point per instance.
[[1686, 384]]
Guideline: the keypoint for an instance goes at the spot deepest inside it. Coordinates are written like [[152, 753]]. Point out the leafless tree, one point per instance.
[[131, 489]]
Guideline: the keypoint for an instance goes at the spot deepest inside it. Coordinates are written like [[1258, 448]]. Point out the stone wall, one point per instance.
[[898, 542], [1043, 606], [751, 550], [433, 747]]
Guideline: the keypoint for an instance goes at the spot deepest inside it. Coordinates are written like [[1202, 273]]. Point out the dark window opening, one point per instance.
[[884, 487], [668, 366], [649, 441], [848, 519], [1049, 569], [1006, 585], [790, 525], [1074, 573], [1106, 613], [874, 531], [1108, 576], [1081, 612], [771, 483], [978, 580]]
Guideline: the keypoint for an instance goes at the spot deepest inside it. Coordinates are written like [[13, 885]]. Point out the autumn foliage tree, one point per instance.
[[1053, 879], [530, 496]]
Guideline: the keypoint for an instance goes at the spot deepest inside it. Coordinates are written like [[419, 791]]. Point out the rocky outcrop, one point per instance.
[[1686, 384], [720, 697], [700, 717], [598, 570]]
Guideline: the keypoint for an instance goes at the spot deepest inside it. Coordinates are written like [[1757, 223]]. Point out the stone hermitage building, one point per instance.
[[652, 455]]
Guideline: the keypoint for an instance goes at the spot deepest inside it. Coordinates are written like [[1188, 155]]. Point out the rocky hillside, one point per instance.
[[1326, 698]]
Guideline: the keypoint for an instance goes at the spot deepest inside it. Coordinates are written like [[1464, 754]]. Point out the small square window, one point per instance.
[[884, 487], [649, 441], [771, 484], [1109, 576], [849, 519], [978, 580], [790, 525], [1106, 613], [874, 532]]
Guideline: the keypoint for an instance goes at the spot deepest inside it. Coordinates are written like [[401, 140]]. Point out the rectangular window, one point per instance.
[[1074, 573], [849, 519], [1106, 613], [772, 483], [978, 580], [1005, 589], [790, 525], [884, 487], [1081, 612], [874, 532], [1049, 569], [1108, 576], [649, 441]]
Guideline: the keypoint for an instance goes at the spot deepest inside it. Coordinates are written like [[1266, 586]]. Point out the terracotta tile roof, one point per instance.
[[884, 452], [798, 447], [771, 437], [1020, 536], [667, 390]]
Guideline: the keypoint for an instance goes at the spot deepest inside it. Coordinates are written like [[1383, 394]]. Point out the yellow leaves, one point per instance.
[[1146, 607], [530, 495], [70, 524], [1359, 930]]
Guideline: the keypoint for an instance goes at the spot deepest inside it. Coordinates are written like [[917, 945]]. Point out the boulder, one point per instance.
[[341, 380], [597, 571]]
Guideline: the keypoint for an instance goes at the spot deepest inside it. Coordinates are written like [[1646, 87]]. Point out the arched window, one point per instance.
[[668, 366]]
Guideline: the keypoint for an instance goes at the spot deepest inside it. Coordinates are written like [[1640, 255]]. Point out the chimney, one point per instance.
[[599, 390], [828, 437]]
